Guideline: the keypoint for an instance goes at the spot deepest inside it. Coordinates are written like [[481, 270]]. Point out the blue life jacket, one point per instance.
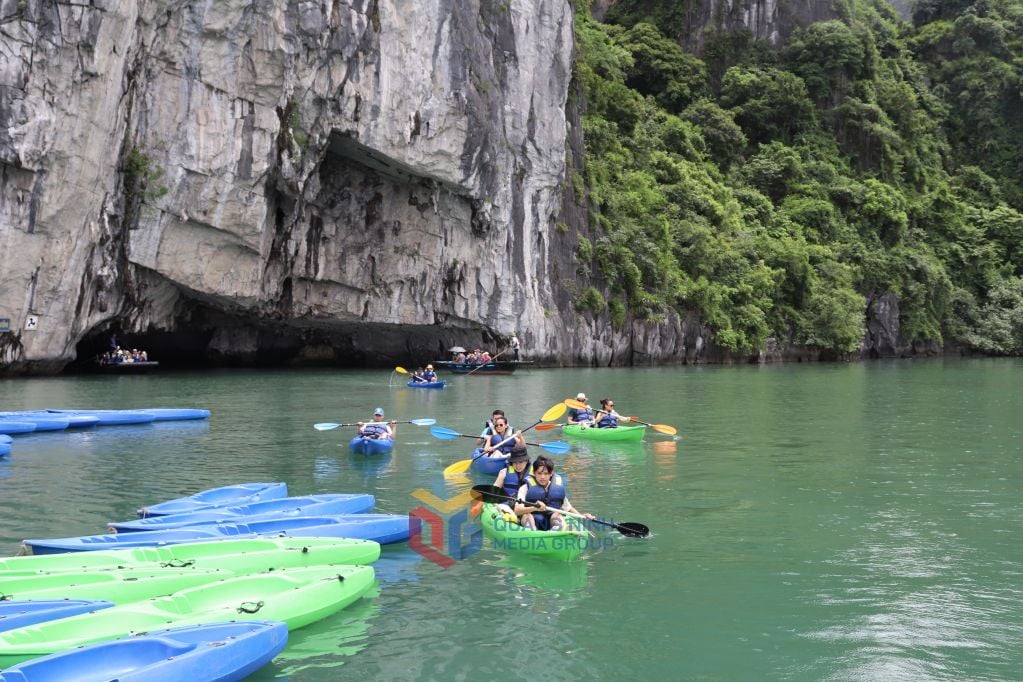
[[582, 415], [429, 375], [375, 430], [495, 439], [512, 482], [608, 421], [553, 496]]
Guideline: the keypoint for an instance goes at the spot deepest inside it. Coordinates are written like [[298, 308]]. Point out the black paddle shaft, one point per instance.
[[493, 494]]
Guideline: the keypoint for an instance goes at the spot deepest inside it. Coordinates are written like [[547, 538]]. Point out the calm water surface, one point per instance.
[[846, 522]]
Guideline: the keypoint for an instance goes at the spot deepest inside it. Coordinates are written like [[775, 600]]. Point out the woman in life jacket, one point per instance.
[[582, 416], [545, 493], [606, 417], [378, 428], [502, 439], [511, 478]]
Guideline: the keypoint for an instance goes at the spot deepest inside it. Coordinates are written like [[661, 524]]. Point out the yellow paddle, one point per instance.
[[462, 465], [662, 428], [401, 370]]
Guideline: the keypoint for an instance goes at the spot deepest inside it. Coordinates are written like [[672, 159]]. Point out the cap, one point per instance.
[[580, 396], [518, 454], [379, 411]]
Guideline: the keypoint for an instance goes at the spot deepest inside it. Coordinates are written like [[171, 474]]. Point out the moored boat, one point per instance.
[[211, 651], [509, 536], [244, 493], [365, 445], [618, 433], [297, 597], [246, 555], [492, 367], [310, 505]]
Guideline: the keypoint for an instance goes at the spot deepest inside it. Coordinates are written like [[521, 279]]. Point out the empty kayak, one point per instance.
[[109, 417], [246, 555], [4, 438], [427, 384], [164, 414], [244, 493], [619, 433], [118, 585], [311, 505], [296, 596], [18, 614], [488, 464], [212, 651], [11, 426], [508, 536], [74, 420], [382, 528], [371, 446]]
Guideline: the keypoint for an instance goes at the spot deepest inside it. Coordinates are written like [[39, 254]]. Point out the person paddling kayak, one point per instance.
[[544, 489], [512, 477], [378, 428], [606, 417], [583, 415]]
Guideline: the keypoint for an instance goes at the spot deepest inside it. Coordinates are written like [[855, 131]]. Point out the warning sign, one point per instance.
[[31, 322]]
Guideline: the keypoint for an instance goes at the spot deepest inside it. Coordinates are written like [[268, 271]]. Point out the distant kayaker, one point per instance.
[[544, 489], [606, 417], [418, 376], [496, 441], [378, 428], [583, 415], [512, 477], [429, 374]]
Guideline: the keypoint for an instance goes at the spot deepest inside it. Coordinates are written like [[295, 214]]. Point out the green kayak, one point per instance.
[[120, 586], [238, 556], [509, 536], [619, 433], [296, 596]]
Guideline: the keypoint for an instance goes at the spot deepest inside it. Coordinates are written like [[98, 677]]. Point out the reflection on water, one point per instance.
[[548, 575]]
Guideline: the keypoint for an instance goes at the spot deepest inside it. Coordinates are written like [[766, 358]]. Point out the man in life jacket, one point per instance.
[[545, 494], [378, 428], [429, 375], [582, 416]]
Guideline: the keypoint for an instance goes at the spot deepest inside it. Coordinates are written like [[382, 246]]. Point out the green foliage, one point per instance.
[[775, 193]]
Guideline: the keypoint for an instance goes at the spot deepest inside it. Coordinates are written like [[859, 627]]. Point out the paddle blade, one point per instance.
[[443, 433], [556, 447], [547, 427], [554, 413], [489, 493], [633, 530], [459, 467], [574, 404], [401, 370], [325, 426], [664, 428], [423, 422]]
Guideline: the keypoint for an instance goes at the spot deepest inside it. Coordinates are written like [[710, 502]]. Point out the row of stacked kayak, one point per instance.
[[33, 421], [169, 595]]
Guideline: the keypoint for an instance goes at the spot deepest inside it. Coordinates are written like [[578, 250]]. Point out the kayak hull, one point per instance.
[[311, 505], [427, 384], [371, 446], [18, 614], [616, 435], [245, 493], [246, 555], [297, 597], [508, 536], [212, 651], [382, 528], [488, 464]]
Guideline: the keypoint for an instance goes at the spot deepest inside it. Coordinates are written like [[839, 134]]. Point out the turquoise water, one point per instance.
[[812, 521]]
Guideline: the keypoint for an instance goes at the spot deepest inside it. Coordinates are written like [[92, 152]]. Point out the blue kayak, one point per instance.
[[11, 426], [17, 614], [371, 446], [109, 417], [243, 493], [5, 449], [4, 438], [39, 422], [74, 421], [214, 651], [427, 384], [382, 528], [311, 505], [164, 414], [488, 464]]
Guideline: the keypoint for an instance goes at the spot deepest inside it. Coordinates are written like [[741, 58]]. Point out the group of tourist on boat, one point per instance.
[[473, 357], [120, 355], [538, 492]]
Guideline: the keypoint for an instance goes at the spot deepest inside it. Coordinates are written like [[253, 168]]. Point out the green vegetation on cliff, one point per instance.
[[780, 193]]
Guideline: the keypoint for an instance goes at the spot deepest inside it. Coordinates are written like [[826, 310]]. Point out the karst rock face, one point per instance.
[[348, 182]]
